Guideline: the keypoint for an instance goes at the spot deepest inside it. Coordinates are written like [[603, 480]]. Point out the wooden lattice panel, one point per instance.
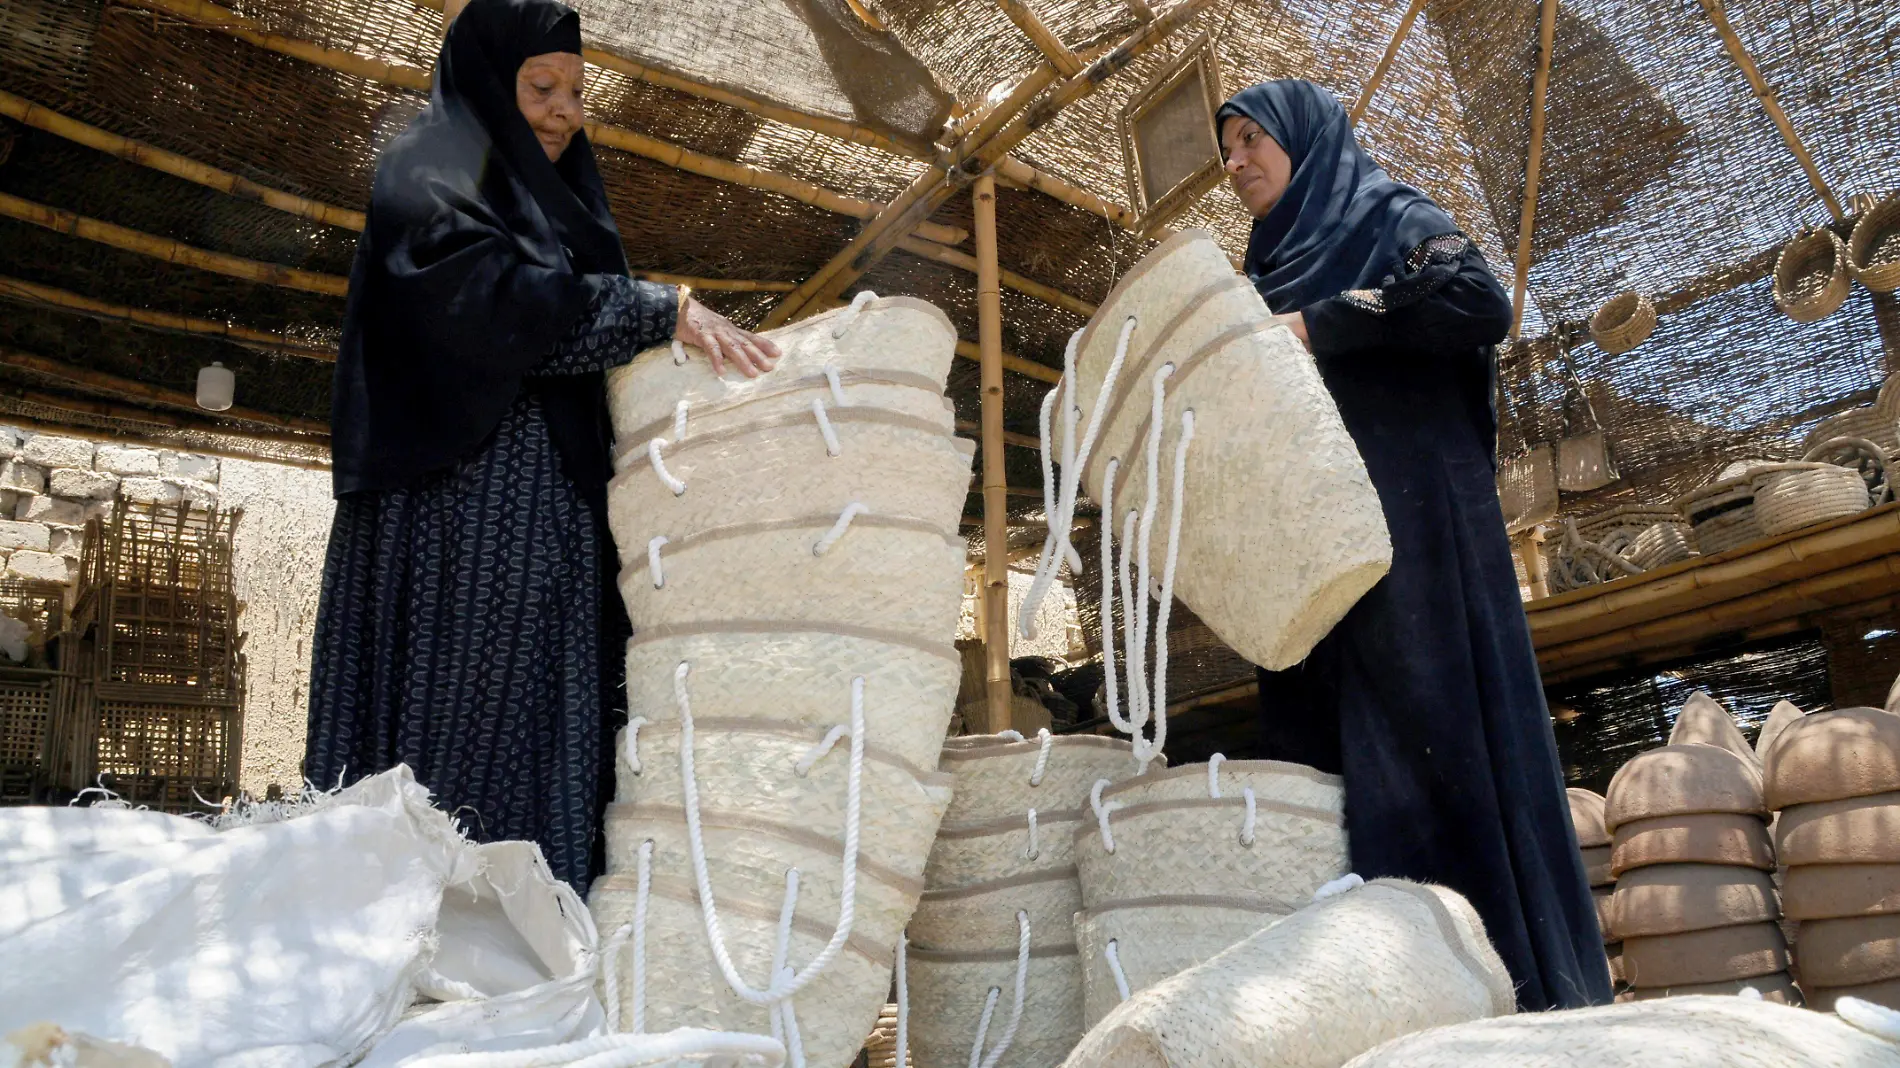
[[157, 752], [26, 713]]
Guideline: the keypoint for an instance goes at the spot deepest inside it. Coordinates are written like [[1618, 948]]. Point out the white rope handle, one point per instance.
[[610, 974], [1115, 717], [1344, 883], [1101, 813], [780, 987], [679, 421], [1022, 985], [1877, 1020], [1247, 823], [1137, 715], [983, 1026], [633, 742], [623, 1051], [659, 466], [784, 1025], [1144, 751], [1032, 850], [679, 352], [830, 537], [850, 315], [642, 895], [1010, 736], [817, 752], [653, 560], [1166, 596], [1042, 757], [903, 1000], [832, 448], [1110, 954], [837, 387], [1213, 774]]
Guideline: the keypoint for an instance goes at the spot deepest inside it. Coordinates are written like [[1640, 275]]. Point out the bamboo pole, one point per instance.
[[1024, 441], [163, 248], [32, 293], [1000, 131], [142, 393], [28, 113], [989, 317], [1047, 43], [1385, 63], [251, 31], [1027, 368], [1050, 295], [1746, 64], [1540, 84], [724, 285], [108, 410]]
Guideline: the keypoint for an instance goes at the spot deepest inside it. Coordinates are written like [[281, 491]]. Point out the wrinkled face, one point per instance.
[[548, 92], [1259, 167]]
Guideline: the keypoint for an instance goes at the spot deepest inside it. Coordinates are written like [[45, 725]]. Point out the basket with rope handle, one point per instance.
[[1811, 278], [1128, 946], [1861, 454], [1837, 478], [1623, 322], [1012, 1008], [1000, 777], [1873, 248]]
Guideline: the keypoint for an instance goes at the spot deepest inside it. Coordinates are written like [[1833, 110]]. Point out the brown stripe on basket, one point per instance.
[[1182, 369], [748, 725], [1503, 997], [812, 522], [792, 626], [633, 450], [985, 956], [985, 752], [1008, 824], [684, 892], [739, 821], [1264, 905], [808, 384], [1281, 767], [1149, 808], [1028, 878]]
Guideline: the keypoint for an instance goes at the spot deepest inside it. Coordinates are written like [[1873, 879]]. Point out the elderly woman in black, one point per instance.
[[469, 625], [1426, 697]]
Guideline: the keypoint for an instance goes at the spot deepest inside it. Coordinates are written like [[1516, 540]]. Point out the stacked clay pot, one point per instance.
[[1593, 838], [1695, 904], [992, 963], [1834, 780]]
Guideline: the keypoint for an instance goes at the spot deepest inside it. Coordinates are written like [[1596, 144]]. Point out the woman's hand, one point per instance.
[[714, 334], [1296, 322]]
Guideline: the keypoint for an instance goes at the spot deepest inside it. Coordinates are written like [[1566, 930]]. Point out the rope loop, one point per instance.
[[836, 386], [903, 999], [832, 448], [1101, 813], [1247, 824], [654, 447], [633, 742], [679, 421], [1042, 757], [1113, 956], [679, 352], [817, 752], [851, 314], [1213, 774], [1032, 850], [653, 560], [830, 537], [1016, 1010]]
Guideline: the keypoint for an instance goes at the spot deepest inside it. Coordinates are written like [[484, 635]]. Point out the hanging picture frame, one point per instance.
[[1170, 148]]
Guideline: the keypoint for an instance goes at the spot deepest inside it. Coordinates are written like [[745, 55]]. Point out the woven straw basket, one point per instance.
[[880, 1050], [1662, 543], [1282, 532], [1811, 276], [683, 983], [1624, 322], [983, 916], [1003, 849], [993, 776], [1319, 987], [1791, 496], [949, 991], [1156, 937], [1722, 514], [1873, 249], [756, 776], [1199, 844], [1527, 488]]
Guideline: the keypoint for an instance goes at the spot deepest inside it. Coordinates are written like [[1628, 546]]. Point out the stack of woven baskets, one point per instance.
[[792, 566], [1624, 540], [1834, 779], [1722, 513], [1593, 838], [1695, 904], [992, 974], [1178, 865]]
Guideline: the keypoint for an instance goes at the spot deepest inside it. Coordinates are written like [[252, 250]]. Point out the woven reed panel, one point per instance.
[[1863, 657]]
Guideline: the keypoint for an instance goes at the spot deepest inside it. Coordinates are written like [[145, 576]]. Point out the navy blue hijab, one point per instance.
[[1343, 223], [478, 255]]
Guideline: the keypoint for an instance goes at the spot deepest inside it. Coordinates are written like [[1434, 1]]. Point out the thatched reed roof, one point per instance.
[[1660, 171]]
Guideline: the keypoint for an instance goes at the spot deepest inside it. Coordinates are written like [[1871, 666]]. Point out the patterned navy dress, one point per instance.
[[464, 628]]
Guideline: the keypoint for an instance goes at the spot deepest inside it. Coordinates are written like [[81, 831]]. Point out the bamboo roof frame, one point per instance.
[[149, 417], [145, 393], [1046, 42], [1385, 62], [1527, 223], [24, 292]]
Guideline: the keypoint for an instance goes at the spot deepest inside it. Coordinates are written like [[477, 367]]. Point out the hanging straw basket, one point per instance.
[[1791, 496], [1873, 249], [1275, 832], [1286, 531], [1003, 849], [1624, 322], [1140, 943], [1811, 276], [996, 778]]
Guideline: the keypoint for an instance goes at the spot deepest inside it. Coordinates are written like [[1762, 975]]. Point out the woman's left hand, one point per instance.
[[721, 341], [1296, 322]]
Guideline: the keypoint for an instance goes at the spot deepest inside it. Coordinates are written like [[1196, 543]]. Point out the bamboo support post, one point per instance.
[[1047, 43], [143, 393], [998, 132], [1010, 437], [1050, 295], [163, 248], [32, 293], [253, 32], [1385, 63], [1527, 224], [989, 313], [1746, 64], [1027, 368]]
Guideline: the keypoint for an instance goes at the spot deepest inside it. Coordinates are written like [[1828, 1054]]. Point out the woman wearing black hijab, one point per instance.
[[469, 626], [1426, 697]]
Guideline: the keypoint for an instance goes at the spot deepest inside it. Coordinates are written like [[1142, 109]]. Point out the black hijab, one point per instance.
[[479, 254], [1342, 223]]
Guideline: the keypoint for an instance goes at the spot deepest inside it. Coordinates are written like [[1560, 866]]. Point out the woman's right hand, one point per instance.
[[721, 341]]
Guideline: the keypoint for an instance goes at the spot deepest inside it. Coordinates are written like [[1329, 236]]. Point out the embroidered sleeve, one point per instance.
[[1442, 299], [1425, 271], [627, 317]]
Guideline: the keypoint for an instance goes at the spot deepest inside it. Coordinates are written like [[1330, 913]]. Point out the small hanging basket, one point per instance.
[[1873, 250], [1791, 496], [1811, 276], [1623, 323]]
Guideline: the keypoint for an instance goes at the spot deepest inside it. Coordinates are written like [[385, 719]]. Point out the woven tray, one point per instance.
[[1873, 249], [1003, 849], [1195, 847], [1787, 500], [948, 992], [993, 776], [1811, 276], [1157, 937], [983, 917]]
